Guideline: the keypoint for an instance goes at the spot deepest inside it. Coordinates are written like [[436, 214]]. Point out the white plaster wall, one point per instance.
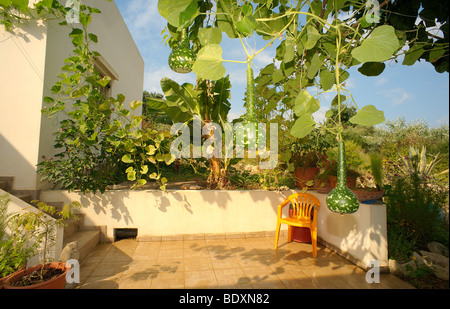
[[22, 64], [29, 62], [361, 235]]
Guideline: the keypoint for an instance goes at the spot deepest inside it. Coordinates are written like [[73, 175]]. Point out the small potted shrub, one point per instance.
[[308, 155], [15, 247], [48, 275]]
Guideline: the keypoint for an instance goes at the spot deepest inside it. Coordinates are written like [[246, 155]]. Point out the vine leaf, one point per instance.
[[178, 12], [379, 46], [368, 116], [209, 63], [303, 126], [305, 103], [209, 36], [372, 68]]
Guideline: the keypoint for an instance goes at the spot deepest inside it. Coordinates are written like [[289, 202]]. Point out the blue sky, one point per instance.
[[415, 92]]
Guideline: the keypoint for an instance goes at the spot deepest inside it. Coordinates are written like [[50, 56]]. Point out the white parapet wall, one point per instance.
[[360, 236]]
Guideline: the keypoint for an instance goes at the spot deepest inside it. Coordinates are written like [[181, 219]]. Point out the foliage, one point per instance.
[[4, 200], [417, 204], [401, 243], [376, 169], [416, 163], [356, 158], [16, 245]]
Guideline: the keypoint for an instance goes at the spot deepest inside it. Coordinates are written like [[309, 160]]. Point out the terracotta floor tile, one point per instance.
[[231, 263]]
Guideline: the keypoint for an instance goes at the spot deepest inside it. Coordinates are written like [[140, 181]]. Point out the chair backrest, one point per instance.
[[303, 204]]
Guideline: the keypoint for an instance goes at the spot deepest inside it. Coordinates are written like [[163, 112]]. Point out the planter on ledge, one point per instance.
[[303, 175]]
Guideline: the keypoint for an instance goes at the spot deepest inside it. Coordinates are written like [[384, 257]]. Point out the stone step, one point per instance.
[[25, 197], [87, 240], [72, 226], [4, 185]]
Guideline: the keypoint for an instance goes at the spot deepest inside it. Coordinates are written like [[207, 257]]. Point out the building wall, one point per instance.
[[29, 64], [22, 66]]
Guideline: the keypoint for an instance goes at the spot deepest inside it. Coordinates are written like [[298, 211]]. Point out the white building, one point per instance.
[[30, 59]]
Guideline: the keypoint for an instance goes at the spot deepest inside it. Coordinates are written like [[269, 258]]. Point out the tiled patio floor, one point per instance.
[[241, 263]]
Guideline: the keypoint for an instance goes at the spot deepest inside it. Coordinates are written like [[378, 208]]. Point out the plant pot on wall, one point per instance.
[[304, 176], [57, 282]]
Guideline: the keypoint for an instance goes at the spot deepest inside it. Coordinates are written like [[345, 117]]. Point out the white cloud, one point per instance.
[[397, 96], [319, 116], [381, 81]]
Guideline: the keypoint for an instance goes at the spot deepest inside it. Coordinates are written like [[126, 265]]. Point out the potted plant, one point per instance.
[[355, 162], [42, 228], [15, 247], [308, 155], [369, 193]]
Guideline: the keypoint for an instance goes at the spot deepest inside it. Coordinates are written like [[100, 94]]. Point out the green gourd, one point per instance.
[[251, 97], [341, 199], [182, 57], [250, 105]]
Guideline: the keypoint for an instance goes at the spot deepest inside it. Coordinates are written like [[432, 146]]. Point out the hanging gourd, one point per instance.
[[251, 106], [251, 96], [341, 199], [182, 57]]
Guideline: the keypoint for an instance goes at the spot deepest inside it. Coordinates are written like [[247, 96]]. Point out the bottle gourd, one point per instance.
[[341, 199], [182, 57]]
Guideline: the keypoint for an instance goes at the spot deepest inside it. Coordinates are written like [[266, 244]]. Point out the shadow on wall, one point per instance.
[[112, 201], [13, 164]]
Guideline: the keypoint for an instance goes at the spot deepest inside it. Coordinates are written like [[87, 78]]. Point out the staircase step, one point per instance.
[[87, 240], [25, 197], [4, 185], [72, 226]]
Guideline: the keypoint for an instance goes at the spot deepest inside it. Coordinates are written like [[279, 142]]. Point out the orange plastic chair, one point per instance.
[[304, 214]]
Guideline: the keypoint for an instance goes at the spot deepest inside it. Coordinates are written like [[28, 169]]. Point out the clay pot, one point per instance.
[[57, 282], [300, 234], [3, 280], [304, 175]]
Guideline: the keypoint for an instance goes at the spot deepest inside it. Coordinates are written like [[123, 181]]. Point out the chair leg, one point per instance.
[[277, 235], [289, 233], [314, 241]]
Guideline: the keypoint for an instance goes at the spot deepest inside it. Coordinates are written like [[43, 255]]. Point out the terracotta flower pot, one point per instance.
[[300, 234], [3, 280], [351, 182], [57, 282], [304, 175], [367, 195]]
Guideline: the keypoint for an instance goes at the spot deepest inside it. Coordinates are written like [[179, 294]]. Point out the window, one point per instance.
[[105, 69]]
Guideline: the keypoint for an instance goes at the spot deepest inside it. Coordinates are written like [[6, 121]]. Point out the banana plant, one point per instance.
[[209, 100], [416, 163]]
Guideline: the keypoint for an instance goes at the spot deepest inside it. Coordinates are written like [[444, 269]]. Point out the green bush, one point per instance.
[[401, 243], [417, 204]]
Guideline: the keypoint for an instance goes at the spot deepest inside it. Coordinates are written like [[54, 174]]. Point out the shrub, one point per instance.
[[416, 204]]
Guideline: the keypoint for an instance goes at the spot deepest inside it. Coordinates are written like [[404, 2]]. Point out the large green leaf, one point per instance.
[[368, 116], [5, 3], [379, 46], [184, 96], [303, 126], [305, 103], [209, 36], [372, 68], [178, 12], [209, 63], [226, 12]]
